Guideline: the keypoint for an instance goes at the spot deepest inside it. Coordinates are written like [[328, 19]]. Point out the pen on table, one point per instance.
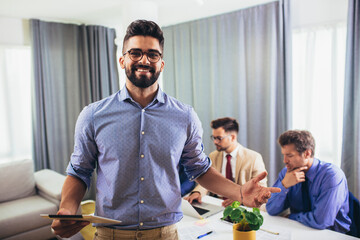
[[205, 234], [276, 233]]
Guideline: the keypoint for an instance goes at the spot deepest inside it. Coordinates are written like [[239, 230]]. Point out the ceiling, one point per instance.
[[113, 12]]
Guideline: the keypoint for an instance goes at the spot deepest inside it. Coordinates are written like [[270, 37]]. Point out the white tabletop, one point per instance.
[[190, 228]]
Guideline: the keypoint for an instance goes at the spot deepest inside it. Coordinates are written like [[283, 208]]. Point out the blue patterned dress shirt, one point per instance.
[[329, 198], [137, 152]]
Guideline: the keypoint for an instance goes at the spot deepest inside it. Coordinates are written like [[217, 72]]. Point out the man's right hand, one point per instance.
[[195, 196], [65, 228], [294, 177]]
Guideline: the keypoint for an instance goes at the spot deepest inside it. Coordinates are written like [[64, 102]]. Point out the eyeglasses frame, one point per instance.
[[219, 139], [142, 54]]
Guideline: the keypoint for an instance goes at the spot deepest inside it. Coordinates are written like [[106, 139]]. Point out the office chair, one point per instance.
[[354, 214]]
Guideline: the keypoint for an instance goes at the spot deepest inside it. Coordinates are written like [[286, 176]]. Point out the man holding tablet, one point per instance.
[[136, 139]]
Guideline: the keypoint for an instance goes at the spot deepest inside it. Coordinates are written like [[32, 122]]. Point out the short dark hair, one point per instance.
[[229, 124], [144, 28], [302, 139]]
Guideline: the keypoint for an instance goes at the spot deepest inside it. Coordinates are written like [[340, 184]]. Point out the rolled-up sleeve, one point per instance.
[[83, 159], [193, 158]]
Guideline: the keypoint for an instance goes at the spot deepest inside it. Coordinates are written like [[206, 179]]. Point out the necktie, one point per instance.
[[228, 172], [306, 195]]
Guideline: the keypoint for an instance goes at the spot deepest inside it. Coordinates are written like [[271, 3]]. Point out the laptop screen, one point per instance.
[[201, 211]]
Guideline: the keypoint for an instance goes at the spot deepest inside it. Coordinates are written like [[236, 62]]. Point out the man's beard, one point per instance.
[[142, 81], [220, 148]]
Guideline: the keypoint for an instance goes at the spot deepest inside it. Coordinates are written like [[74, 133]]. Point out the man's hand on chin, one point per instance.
[[293, 177]]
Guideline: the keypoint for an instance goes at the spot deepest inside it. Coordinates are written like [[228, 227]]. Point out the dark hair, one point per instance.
[[302, 140], [229, 124], [144, 28]]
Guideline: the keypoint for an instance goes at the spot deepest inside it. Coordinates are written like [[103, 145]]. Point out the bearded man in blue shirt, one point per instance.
[[136, 140], [315, 191]]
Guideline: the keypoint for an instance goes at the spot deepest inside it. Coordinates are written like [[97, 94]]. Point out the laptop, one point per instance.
[[199, 210]]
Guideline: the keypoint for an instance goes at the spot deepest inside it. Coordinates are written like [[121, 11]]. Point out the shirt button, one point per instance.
[[142, 132], [142, 156], [143, 110], [142, 179], [141, 224], [142, 201]]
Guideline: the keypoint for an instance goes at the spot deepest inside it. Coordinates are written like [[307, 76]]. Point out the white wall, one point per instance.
[[304, 12], [15, 31], [315, 12]]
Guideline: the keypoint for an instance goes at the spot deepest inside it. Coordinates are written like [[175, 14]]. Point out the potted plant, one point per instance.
[[245, 223]]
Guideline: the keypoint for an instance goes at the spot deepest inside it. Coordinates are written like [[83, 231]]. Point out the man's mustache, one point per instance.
[[136, 66]]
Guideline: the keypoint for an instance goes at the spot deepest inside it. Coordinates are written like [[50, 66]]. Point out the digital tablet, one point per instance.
[[89, 218]]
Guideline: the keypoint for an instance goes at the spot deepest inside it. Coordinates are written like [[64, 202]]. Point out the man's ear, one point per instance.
[[307, 153], [233, 137], [162, 65], [121, 61]]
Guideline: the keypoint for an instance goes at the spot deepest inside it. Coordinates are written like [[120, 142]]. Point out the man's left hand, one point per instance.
[[254, 195]]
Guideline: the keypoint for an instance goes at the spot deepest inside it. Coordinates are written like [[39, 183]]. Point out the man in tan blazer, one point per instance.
[[244, 163]]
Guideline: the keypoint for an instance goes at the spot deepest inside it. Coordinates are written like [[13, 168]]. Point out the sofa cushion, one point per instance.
[[50, 183], [17, 179], [24, 214], [43, 233]]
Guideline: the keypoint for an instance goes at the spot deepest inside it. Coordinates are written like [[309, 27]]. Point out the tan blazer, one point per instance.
[[248, 165]]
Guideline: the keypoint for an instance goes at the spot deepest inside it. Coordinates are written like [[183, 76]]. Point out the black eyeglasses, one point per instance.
[[137, 54], [218, 138]]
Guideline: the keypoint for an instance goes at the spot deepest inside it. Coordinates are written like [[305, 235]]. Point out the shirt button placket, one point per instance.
[[142, 156]]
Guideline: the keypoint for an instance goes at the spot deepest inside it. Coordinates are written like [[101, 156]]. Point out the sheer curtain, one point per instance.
[[15, 90], [318, 85], [235, 65]]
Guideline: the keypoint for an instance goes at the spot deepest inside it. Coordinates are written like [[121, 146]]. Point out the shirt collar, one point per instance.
[[311, 173], [124, 95]]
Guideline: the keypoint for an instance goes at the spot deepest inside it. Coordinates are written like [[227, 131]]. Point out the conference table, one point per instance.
[[190, 228]]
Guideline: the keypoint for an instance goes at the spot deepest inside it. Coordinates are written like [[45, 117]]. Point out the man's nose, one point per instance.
[[144, 60]]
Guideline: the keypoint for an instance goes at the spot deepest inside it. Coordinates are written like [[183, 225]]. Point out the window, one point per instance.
[[15, 104], [318, 86]]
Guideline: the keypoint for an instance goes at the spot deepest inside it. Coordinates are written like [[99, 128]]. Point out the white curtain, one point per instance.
[[15, 104], [318, 86]]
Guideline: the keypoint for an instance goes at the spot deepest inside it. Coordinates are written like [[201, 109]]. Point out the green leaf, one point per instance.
[[235, 204], [261, 219], [241, 209], [227, 211], [236, 215], [251, 218], [255, 226]]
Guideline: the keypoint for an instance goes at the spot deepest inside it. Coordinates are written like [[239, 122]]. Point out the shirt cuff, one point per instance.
[[283, 189], [293, 216], [194, 176], [71, 171]]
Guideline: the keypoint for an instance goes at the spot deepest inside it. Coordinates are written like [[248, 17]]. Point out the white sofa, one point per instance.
[[24, 195]]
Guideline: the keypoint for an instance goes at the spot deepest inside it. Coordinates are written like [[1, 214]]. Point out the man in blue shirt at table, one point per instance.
[[136, 139], [315, 191]]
